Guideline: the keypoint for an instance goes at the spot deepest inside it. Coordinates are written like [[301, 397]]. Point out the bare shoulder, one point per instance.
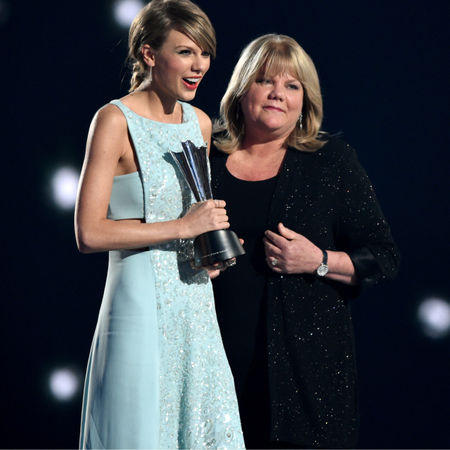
[[108, 133], [110, 116]]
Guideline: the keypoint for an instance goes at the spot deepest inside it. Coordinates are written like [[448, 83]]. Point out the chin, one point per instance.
[[274, 126], [187, 97]]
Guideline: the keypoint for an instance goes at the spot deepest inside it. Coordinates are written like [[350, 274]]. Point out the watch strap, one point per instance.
[[322, 270]]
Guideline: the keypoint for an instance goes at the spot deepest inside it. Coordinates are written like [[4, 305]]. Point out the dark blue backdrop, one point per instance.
[[384, 72]]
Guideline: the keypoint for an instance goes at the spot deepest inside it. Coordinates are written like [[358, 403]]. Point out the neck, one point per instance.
[[262, 147], [256, 162], [161, 108], [266, 138]]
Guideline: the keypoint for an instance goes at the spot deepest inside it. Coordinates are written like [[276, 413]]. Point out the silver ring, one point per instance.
[[274, 261], [217, 205]]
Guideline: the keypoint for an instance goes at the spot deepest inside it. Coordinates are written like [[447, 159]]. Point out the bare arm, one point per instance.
[[297, 254], [108, 154]]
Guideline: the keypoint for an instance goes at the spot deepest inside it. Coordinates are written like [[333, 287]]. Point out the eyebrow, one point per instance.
[[189, 47], [290, 78]]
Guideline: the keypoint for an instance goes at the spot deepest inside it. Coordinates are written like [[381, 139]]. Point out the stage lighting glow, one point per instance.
[[434, 316], [5, 11], [125, 11], [64, 384], [65, 185]]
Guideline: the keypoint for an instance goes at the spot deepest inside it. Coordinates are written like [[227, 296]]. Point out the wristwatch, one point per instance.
[[322, 270]]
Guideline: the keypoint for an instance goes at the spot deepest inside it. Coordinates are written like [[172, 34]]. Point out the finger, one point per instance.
[[270, 235], [269, 248], [275, 239], [286, 232], [216, 266], [221, 214], [230, 262], [273, 263], [272, 251], [213, 204], [219, 203], [213, 274], [224, 224]]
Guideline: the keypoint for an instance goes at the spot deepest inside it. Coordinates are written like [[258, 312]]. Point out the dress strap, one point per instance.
[[120, 105], [189, 115]]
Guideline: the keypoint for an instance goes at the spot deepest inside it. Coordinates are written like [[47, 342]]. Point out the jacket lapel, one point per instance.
[[287, 195]]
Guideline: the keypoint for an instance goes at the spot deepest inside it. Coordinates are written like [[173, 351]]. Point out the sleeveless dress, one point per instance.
[[158, 376]]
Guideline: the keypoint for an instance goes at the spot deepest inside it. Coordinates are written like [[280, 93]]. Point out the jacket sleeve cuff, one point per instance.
[[366, 267]]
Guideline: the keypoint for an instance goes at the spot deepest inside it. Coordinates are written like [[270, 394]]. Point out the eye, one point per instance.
[[206, 54], [263, 81], [185, 52], [294, 85]]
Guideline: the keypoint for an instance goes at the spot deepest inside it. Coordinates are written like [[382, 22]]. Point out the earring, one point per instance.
[[300, 122], [238, 107], [150, 77]]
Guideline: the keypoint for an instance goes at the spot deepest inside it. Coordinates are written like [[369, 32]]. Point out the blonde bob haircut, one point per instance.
[[153, 24], [271, 55]]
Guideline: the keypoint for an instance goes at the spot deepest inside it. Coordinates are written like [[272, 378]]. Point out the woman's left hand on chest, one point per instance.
[[289, 252]]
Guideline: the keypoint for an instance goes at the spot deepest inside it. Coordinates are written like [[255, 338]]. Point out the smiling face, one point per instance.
[[178, 67], [273, 105]]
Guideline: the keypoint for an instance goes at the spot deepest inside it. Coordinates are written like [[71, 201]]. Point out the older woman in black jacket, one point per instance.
[[315, 237]]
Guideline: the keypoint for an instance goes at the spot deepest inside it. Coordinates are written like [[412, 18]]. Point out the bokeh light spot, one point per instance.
[[64, 384], [65, 185], [434, 317], [125, 11]]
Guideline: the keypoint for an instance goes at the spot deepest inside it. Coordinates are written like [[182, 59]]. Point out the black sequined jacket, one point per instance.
[[327, 197]]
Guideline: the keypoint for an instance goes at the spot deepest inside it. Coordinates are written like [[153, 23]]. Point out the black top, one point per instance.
[[242, 311], [250, 215], [309, 348]]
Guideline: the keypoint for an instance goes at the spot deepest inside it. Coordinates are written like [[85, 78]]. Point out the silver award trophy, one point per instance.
[[214, 246]]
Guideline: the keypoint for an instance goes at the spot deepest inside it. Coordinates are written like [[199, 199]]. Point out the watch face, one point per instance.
[[322, 270]]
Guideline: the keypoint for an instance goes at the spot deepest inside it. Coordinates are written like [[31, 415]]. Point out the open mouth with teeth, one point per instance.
[[191, 83]]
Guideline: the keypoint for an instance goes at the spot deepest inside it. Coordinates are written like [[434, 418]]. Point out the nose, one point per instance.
[[277, 92], [200, 64]]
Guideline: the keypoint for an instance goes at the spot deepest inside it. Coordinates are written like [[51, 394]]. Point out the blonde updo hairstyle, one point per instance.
[[271, 55], [153, 24]]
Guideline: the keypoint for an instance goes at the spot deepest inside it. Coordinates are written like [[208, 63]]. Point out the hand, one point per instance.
[[203, 217], [214, 270], [294, 253], [213, 273]]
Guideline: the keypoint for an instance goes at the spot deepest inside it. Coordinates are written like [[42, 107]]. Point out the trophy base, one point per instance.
[[216, 246]]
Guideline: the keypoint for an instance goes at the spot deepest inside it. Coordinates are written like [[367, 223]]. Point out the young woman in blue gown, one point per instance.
[[157, 376]]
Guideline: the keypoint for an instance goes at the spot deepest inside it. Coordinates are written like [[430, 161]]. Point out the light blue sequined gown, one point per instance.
[[157, 376]]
